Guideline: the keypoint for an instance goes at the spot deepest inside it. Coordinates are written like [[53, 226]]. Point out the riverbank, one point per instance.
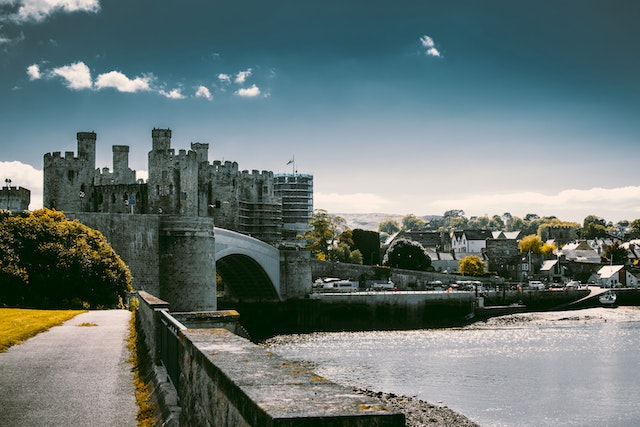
[[419, 413]]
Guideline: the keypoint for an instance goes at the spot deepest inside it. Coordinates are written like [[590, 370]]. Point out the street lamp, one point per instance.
[[7, 181]]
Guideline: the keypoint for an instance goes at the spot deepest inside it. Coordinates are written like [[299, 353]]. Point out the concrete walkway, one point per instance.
[[71, 375]]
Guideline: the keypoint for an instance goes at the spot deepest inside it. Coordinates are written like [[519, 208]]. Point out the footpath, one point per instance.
[[75, 374]]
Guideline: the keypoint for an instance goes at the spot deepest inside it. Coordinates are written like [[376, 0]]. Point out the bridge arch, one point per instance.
[[249, 267]]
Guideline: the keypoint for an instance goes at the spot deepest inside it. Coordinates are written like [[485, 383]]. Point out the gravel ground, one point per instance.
[[419, 413]]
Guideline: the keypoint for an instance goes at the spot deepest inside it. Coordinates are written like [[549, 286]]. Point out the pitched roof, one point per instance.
[[478, 234], [609, 270], [548, 265]]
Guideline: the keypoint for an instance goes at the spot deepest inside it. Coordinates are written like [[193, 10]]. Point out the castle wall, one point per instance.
[[135, 238], [225, 194], [170, 256], [120, 198], [14, 199]]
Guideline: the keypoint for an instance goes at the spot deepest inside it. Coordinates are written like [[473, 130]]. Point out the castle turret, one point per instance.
[[202, 151], [68, 180], [161, 139], [120, 158], [87, 147]]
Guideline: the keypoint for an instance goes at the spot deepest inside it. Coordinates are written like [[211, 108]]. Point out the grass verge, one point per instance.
[[139, 358], [20, 324]]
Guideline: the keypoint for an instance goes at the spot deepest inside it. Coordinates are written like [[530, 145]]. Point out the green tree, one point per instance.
[[322, 234], [368, 243], [635, 229], [389, 226], [593, 227], [615, 254], [412, 222], [516, 223], [54, 262], [497, 223], [472, 266], [407, 254]]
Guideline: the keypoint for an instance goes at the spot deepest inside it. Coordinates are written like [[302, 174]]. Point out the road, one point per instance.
[[71, 375]]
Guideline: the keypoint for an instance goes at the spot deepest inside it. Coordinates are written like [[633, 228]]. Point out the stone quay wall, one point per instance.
[[225, 379], [403, 279]]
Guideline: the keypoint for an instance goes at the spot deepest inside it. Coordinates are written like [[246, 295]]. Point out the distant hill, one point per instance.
[[370, 221]]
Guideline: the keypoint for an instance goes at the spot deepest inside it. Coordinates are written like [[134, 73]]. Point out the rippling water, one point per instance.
[[575, 368]]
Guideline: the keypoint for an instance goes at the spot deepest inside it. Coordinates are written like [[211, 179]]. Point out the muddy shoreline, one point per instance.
[[419, 413]]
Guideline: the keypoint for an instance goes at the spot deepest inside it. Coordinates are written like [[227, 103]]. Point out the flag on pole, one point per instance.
[[290, 161]]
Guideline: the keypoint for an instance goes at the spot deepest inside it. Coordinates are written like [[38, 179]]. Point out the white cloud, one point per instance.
[[77, 75], [428, 43], [224, 78], [242, 76], [39, 10], [120, 82], [203, 92], [26, 176], [34, 72], [249, 92], [433, 52], [172, 94]]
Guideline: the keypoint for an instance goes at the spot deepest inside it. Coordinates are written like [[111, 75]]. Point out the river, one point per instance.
[[570, 368]]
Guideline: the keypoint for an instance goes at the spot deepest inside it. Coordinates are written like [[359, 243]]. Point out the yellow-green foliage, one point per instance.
[[531, 243], [17, 325], [548, 248], [139, 358], [50, 261], [472, 266]]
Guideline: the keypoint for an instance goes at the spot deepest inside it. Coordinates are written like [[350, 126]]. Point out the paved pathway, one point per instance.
[[70, 375]]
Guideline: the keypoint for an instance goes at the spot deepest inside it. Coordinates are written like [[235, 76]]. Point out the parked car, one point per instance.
[[536, 284], [384, 286], [572, 285]]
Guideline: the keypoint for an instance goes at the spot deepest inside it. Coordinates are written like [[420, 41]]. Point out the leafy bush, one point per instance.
[[49, 261], [407, 254]]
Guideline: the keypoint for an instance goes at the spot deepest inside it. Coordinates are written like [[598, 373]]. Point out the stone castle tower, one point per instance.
[[185, 184]]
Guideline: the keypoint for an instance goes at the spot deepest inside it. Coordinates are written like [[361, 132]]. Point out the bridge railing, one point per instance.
[[169, 329]]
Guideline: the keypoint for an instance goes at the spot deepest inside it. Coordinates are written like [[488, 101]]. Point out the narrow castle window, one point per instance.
[[70, 175], [113, 198]]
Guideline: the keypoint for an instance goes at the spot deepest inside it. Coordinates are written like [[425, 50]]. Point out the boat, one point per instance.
[[608, 299]]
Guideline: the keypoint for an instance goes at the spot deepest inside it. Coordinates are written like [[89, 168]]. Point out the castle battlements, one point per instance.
[[182, 183]]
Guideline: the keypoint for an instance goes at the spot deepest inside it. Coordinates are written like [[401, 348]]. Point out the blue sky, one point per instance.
[[394, 107]]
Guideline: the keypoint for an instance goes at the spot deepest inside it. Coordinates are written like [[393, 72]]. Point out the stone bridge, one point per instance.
[[249, 267], [176, 257]]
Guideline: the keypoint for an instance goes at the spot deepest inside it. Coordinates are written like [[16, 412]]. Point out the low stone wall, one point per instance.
[[403, 279], [227, 380]]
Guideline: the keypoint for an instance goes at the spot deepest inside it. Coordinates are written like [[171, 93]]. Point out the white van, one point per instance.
[[536, 284]]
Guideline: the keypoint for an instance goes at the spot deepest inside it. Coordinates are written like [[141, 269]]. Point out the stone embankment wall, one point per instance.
[[227, 380], [403, 279]]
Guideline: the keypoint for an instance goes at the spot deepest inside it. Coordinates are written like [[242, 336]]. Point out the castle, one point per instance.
[[184, 184], [13, 198]]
